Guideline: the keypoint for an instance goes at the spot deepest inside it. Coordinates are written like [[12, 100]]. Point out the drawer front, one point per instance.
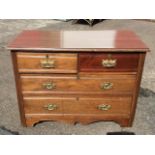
[[42, 105], [99, 106], [47, 63], [108, 62], [49, 84]]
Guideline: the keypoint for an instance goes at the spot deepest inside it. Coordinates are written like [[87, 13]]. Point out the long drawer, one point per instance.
[[46, 62], [74, 106], [71, 84]]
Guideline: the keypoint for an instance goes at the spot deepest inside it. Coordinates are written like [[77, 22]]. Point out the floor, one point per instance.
[[144, 122]]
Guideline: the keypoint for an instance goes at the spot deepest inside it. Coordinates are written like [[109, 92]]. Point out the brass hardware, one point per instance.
[[51, 107], [109, 63], [49, 85], [107, 85], [104, 107], [47, 63]]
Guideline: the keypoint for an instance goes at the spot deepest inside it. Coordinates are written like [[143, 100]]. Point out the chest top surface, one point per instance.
[[114, 40]]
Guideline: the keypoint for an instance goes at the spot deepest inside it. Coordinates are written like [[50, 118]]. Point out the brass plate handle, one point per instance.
[[49, 85], [51, 107], [47, 63], [109, 63], [107, 85], [104, 107]]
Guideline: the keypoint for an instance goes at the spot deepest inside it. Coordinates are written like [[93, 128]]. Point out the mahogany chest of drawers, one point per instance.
[[77, 76]]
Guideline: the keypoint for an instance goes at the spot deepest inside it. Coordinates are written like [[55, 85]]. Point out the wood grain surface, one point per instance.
[[31, 62], [39, 105], [74, 84], [89, 106], [107, 40], [126, 62], [84, 85]]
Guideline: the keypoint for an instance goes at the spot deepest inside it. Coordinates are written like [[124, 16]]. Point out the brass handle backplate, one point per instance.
[[49, 85], [109, 62], [47, 63], [104, 107], [106, 85], [51, 107]]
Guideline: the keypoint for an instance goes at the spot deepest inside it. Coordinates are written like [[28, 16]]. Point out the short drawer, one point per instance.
[[42, 105], [46, 62], [98, 106], [84, 85], [108, 62]]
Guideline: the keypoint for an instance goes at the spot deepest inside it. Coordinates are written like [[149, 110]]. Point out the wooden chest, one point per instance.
[[77, 76]]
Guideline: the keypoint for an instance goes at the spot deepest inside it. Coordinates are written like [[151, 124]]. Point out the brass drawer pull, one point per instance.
[[109, 63], [51, 107], [107, 85], [104, 107], [49, 85], [47, 63]]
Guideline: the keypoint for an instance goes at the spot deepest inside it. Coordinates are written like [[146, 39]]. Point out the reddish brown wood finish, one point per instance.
[[74, 106], [32, 120], [31, 62], [73, 41], [89, 106], [126, 62], [39, 105], [34, 84], [77, 93]]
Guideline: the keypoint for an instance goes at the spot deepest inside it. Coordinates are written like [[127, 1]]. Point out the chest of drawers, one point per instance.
[[77, 76]]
